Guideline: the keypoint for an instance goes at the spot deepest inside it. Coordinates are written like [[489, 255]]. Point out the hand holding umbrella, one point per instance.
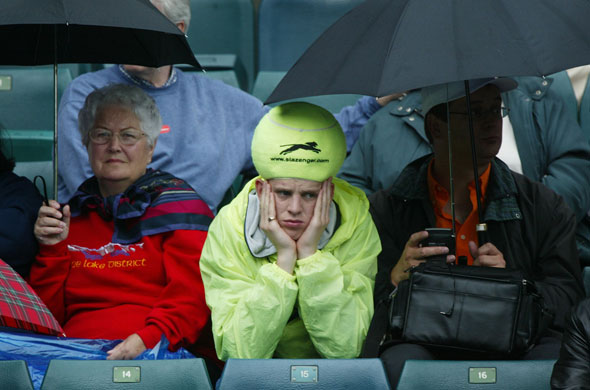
[[49, 228]]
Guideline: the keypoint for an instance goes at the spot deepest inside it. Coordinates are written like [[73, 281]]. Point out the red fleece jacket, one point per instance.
[[97, 289]]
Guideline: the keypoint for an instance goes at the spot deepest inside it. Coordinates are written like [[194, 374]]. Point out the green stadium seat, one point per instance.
[[78, 69], [476, 375], [225, 27], [28, 145], [286, 28], [176, 374], [316, 374], [26, 96], [218, 66], [586, 279], [14, 375], [266, 81]]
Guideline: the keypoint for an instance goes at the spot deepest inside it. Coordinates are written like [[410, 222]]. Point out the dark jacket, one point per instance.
[[552, 148], [572, 370], [19, 205], [527, 222]]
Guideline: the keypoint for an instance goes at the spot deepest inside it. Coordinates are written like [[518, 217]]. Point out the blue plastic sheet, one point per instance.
[[38, 350]]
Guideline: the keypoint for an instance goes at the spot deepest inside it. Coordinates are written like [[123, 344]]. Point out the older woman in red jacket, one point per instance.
[[121, 260]]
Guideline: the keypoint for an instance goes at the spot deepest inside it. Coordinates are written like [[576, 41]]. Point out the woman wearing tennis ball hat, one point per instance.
[[289, 264]]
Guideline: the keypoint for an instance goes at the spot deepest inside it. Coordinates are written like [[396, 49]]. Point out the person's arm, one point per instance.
[[73, 165], [336, 291], [48, 277], [256, 114], [557, 270], [358, 166], [392, 247], [572, 369], [390, 140], [250, 305], [52, 265], [567, 157], [19, 204], [180, 312], [353, 118]]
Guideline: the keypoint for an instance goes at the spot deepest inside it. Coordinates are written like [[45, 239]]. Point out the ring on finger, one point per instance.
[[270, 219]]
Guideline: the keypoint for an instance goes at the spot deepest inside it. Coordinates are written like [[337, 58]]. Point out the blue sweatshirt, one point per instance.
[[206, 134]]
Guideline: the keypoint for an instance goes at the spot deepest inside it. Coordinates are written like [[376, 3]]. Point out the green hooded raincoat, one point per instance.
[[323, 310]]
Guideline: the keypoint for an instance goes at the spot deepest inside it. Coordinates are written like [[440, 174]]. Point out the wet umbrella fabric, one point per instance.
[[386, 46], [21, 307], [37, 32]]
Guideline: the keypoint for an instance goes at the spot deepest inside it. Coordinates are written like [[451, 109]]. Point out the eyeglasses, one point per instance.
[[126, 137], [478, 114]]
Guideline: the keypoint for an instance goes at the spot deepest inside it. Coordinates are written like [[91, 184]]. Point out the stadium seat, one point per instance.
[[28, 145], [14, 375], [26, 96], [286, 28], [225, 27], [473, 375], [586, 279], [177, 374], [319, 374], [217, 66], [266, 81], [78, 69]]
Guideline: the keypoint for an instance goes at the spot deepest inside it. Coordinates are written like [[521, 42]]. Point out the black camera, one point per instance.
[[439, 237]]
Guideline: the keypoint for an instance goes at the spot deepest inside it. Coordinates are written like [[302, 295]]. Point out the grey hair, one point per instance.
[[123, 95], [175, 10]]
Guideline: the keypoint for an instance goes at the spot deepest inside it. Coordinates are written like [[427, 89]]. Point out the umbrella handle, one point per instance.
[[481, 228], [482, 233], [45, 198], [44, 188]]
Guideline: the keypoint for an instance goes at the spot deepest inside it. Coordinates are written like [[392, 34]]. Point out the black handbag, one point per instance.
[[480, 309]]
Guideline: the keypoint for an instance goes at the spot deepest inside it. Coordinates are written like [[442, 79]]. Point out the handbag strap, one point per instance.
[[377, 330]]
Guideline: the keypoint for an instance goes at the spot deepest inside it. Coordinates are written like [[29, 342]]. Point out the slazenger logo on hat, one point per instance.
[[306, 146]]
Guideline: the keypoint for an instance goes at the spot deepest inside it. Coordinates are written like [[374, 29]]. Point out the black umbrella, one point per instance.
[[386, 46], [40, 32]]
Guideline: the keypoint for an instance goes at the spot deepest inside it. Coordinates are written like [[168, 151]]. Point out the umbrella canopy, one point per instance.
[[37, 32], [386, 46], [41, 32], [21, 307]]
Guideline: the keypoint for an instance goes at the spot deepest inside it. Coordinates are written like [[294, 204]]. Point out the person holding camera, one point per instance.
[[530, 228]]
